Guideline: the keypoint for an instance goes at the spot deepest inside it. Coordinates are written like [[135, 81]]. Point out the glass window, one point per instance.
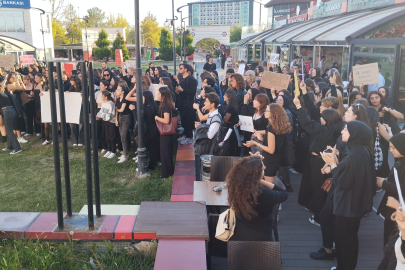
[[19, 21], [10, 21], [2, 21]]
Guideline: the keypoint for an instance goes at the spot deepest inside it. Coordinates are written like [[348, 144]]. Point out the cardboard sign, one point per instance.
[[118, 57], [130, 64], [274, 57], [7, 61], [274, 80], [367, 74], [27, 59]]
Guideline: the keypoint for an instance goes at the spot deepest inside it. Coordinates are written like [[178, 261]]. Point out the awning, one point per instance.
[[16, 43], [333, 30]]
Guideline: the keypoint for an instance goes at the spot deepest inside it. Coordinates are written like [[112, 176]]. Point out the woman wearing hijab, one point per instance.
[[397, 148], [354, 190]]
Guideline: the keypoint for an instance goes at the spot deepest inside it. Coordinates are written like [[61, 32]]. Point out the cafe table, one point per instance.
[[203, 192]]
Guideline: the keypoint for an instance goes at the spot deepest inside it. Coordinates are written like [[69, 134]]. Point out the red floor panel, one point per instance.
[[124, 228], [186, 154], [183, 168], [182, 198], [183, 185], [43, 227], [181, 254]]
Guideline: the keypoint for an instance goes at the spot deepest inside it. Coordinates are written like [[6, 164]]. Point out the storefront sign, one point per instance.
[[288, 8], [15, 4], [333, 7], [279, 23], [353, 5], [300, 18]]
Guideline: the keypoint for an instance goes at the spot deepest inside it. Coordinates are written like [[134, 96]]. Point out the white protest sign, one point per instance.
[[154, 88], [73, 105], [274, 57], [27, 59], [7, 61], [241, 69], [247, 123], [130, 64], [366, 74]]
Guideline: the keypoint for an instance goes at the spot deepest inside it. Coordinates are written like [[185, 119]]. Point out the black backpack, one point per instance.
[[220, 148]]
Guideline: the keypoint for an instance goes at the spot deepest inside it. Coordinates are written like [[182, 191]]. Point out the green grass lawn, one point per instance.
[[28, 183], [144, 64]]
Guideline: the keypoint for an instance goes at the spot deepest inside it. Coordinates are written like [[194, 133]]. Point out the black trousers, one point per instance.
[[347, 242], [187, 115], [318, 196], [327, 221], [109, 129], [389, 227], [153, 147], [30, 113], [166, 155]]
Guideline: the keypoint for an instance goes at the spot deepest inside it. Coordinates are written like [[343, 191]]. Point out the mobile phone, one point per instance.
[[328, 151]]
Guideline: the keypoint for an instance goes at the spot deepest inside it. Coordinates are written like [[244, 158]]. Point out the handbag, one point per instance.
[[168, 129], [226, 225], [25, 98]]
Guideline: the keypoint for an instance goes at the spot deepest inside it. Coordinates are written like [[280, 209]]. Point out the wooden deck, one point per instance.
[[298, 237]]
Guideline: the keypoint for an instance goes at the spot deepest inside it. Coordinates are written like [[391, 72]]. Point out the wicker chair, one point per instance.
[[220, 167], [257, 255]]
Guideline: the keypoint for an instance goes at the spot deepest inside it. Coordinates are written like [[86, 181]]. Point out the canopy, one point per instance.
[[19, 44]]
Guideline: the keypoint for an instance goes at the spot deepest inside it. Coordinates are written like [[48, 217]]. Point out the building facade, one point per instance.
[[226, 12], [21, 20]]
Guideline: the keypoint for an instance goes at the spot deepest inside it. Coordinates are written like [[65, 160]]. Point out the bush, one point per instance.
[[102, 53]]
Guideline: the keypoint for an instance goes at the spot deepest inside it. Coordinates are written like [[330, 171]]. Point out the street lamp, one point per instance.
[[181, 28], [87, 44], [174, 38], [42, 30], [183, 38]]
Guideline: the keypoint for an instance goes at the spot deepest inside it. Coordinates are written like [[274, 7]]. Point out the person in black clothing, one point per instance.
[[354, 190], [152, 136], [252, 199], [123, 120], [186, 89], [150, 70], [223, 60], [210, 66], [164, 116], [237, 83], [322, 134], [231, 118], [225, 80]]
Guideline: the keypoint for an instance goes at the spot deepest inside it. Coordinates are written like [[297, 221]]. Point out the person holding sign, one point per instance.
[[397, 148], [353, 194], [272, 141]]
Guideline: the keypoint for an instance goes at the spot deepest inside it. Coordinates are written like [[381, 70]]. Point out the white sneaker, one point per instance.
[[26, 135], [280, 207], [107, 154], [4, 149], [15, 152], [186, 141], [22, 140], [103, 151], [38, 134], [80, 144], [111, 155], [312, 220], [122, 160], [333, 268], [45, 142], [181, 138]]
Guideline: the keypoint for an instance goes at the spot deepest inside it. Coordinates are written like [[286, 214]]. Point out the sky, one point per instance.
[[162, 9]]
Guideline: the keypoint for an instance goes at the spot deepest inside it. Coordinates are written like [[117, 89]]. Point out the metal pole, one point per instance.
[[174, 41], [181, 36], [86, 127], [43, 37], [139, 100], [96, 172], [87, 44], [63, 131], [55, 140]]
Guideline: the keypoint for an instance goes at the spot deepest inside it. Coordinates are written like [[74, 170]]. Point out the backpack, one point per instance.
[[219, 146]]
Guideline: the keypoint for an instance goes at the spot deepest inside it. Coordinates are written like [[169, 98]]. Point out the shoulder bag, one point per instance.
[[168, 129], [226, 225]]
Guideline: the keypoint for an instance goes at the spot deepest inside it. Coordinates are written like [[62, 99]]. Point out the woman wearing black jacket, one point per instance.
[[247, 109], [354, 190]]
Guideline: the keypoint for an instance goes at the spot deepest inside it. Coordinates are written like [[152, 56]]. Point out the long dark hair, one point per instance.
[[352, 97], [78, 84], [168, 83], [108, 95], [361, 113], [331, 117], [243, 184], [264, 101], [373, 117], [116, 82], [232, 100], [149, 101], [166, 97], [383, 101]]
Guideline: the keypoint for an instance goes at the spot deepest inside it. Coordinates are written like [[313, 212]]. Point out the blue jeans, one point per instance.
[[9, 114]]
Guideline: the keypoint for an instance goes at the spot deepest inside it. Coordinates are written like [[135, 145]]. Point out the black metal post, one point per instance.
[[139, 99], [174, 40], [55, 141], [86, 128], [63, 131], [96, 172]]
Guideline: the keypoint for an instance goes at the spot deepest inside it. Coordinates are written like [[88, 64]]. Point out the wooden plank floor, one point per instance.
[[298, 237]]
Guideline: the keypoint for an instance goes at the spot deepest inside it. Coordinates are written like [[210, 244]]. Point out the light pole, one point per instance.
[[182, 36], [181, 32], [87, 44], [174, 40], [42, 30]]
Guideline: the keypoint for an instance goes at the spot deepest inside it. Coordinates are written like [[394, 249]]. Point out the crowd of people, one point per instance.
[[337, 135]]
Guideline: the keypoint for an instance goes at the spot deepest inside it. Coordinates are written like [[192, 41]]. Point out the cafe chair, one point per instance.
[[274, 214], [220, 167], [258, 255]]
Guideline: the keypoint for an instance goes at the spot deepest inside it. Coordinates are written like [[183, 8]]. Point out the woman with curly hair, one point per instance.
[[273, 140], [237, 83], [252, 199]]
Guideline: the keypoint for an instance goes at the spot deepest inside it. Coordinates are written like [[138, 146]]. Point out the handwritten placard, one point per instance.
[[7, 61], [366, 74], [130, 64], [274, 57], [27, 59], [247, 123], [274, 80]]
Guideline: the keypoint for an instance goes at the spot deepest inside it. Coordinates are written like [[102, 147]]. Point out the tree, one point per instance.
[[165, 45], [188, 40], [119, 43], [102, 44], [150, 29], [236, 33], [207, 43], [56, 8], [119, 21], [131, 35], [72, 24], [96, 17], [58, 33]]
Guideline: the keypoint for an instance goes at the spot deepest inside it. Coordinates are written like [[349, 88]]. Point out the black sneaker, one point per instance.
[[288, 188], [322, 255]]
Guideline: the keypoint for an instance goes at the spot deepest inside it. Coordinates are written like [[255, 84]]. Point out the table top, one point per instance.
[[203, 193]]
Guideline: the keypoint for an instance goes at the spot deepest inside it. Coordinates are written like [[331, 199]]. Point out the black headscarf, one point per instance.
[[354, 178], [398, 140], [255, 92], [287, 102]]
